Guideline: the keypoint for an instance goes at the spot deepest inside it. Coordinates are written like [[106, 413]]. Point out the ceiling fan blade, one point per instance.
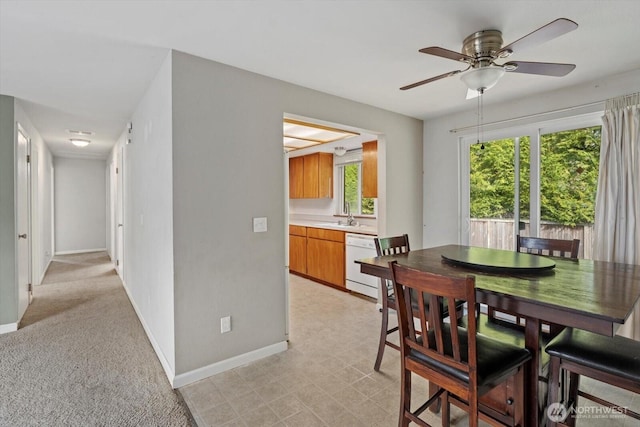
[[432, 79], [548, 32], [446, 53], [542, 68]]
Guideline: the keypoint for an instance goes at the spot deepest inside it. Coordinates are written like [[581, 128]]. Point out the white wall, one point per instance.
[[41, 198], [441, 147], [148, 216], [80, 205], [41, 215]]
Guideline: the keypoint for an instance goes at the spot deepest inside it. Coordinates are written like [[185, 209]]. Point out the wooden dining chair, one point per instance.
[[538, 246], [476, 373], [388, 246], [612, 360], [394, 246]]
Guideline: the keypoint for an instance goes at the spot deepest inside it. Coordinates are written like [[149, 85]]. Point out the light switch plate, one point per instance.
[[225, 324], [259, 225]]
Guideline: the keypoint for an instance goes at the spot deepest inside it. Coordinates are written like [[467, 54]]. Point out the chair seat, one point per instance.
[[616, 355], [496, 360], [508, 334]]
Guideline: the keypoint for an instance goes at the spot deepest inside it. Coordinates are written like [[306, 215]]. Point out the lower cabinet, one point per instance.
[[298, 249], [325, 256], [317, 253]]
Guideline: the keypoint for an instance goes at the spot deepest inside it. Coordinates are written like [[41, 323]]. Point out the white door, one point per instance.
[[120, 214], [23, 198]]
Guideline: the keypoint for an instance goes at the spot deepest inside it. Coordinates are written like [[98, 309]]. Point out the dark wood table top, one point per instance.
[[592, 295]]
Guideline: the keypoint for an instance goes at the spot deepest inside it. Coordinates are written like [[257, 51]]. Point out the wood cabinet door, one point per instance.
[[325, 175], [296, 177], [325, 261], [298, 254], [311, 163], [370, 169]]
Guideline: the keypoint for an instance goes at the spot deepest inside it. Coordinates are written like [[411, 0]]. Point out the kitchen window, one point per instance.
[[349, 186]]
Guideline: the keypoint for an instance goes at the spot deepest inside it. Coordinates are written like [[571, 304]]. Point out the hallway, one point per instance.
[[81, 357]]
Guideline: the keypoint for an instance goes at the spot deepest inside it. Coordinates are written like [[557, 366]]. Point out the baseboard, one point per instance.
[[82, 251], [163, 360], [44, 270], [227, 364], [9, 327]]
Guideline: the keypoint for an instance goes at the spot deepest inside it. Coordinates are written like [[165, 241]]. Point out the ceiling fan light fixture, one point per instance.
[[482, 78], [79, 142]]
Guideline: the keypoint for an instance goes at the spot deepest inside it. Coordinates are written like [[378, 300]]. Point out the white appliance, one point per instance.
[[360, 246]]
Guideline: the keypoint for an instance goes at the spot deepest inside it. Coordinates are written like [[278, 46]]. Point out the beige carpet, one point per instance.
[[81, 357]]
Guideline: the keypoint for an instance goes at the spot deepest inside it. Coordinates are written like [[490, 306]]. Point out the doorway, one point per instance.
[[23, 212]]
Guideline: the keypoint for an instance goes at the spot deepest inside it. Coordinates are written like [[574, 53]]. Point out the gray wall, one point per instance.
[[8, 288], [441, 147], [80, 205], [227, 169]]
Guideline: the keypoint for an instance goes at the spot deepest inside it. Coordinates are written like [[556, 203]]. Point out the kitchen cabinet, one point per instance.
[[298, 249], [311, 176], [370, 169], [325, 256], [296, 177]]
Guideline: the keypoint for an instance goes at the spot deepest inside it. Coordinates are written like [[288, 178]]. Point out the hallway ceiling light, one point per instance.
[[80, 132], [79, 142]]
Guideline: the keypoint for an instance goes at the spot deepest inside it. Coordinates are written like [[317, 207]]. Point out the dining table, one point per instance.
[[596, 296]]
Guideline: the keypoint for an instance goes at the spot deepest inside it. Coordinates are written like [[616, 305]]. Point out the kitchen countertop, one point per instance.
[[358, 229]]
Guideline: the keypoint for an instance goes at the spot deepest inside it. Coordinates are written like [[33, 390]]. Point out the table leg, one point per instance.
[[532, 342]]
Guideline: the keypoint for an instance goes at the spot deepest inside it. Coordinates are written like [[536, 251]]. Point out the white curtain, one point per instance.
[[617, 222]]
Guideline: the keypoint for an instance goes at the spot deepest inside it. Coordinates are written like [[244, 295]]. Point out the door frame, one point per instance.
[[119, 214], [23, 184]]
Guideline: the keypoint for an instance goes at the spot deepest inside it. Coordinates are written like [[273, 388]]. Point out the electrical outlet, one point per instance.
[[225, 324]]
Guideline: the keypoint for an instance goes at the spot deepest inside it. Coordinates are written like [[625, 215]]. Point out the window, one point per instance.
[[350, 188], [542, 184]]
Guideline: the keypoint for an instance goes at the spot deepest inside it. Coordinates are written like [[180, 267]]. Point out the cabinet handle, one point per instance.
[[22, 236]]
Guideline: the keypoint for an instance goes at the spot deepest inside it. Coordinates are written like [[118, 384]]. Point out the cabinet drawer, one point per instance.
[[324, 234], [298, 230]]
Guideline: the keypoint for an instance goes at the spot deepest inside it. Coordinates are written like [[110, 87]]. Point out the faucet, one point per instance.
[[350, 219]]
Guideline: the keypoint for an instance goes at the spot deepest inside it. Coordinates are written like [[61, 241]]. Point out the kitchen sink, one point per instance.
[[335, 224]]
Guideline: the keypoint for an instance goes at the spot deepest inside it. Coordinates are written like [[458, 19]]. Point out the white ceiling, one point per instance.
[[85, 64]]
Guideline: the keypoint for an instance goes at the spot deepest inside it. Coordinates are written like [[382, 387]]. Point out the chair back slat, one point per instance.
[[392, 245], [443, 341], [549, 247]]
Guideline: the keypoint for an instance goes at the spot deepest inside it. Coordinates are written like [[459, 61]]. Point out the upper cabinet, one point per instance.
[[370, 169], [311, 176], [296, 177]]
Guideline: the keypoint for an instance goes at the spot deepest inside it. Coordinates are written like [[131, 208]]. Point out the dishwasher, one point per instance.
[[360, 246]]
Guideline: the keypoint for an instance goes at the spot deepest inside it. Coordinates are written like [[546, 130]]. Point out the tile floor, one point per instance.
[[326, 378]]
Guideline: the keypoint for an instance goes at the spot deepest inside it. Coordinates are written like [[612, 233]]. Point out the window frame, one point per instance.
[[353, 157], [534, 131]]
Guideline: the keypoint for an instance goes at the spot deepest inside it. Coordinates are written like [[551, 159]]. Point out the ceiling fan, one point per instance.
[[481, 49]]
